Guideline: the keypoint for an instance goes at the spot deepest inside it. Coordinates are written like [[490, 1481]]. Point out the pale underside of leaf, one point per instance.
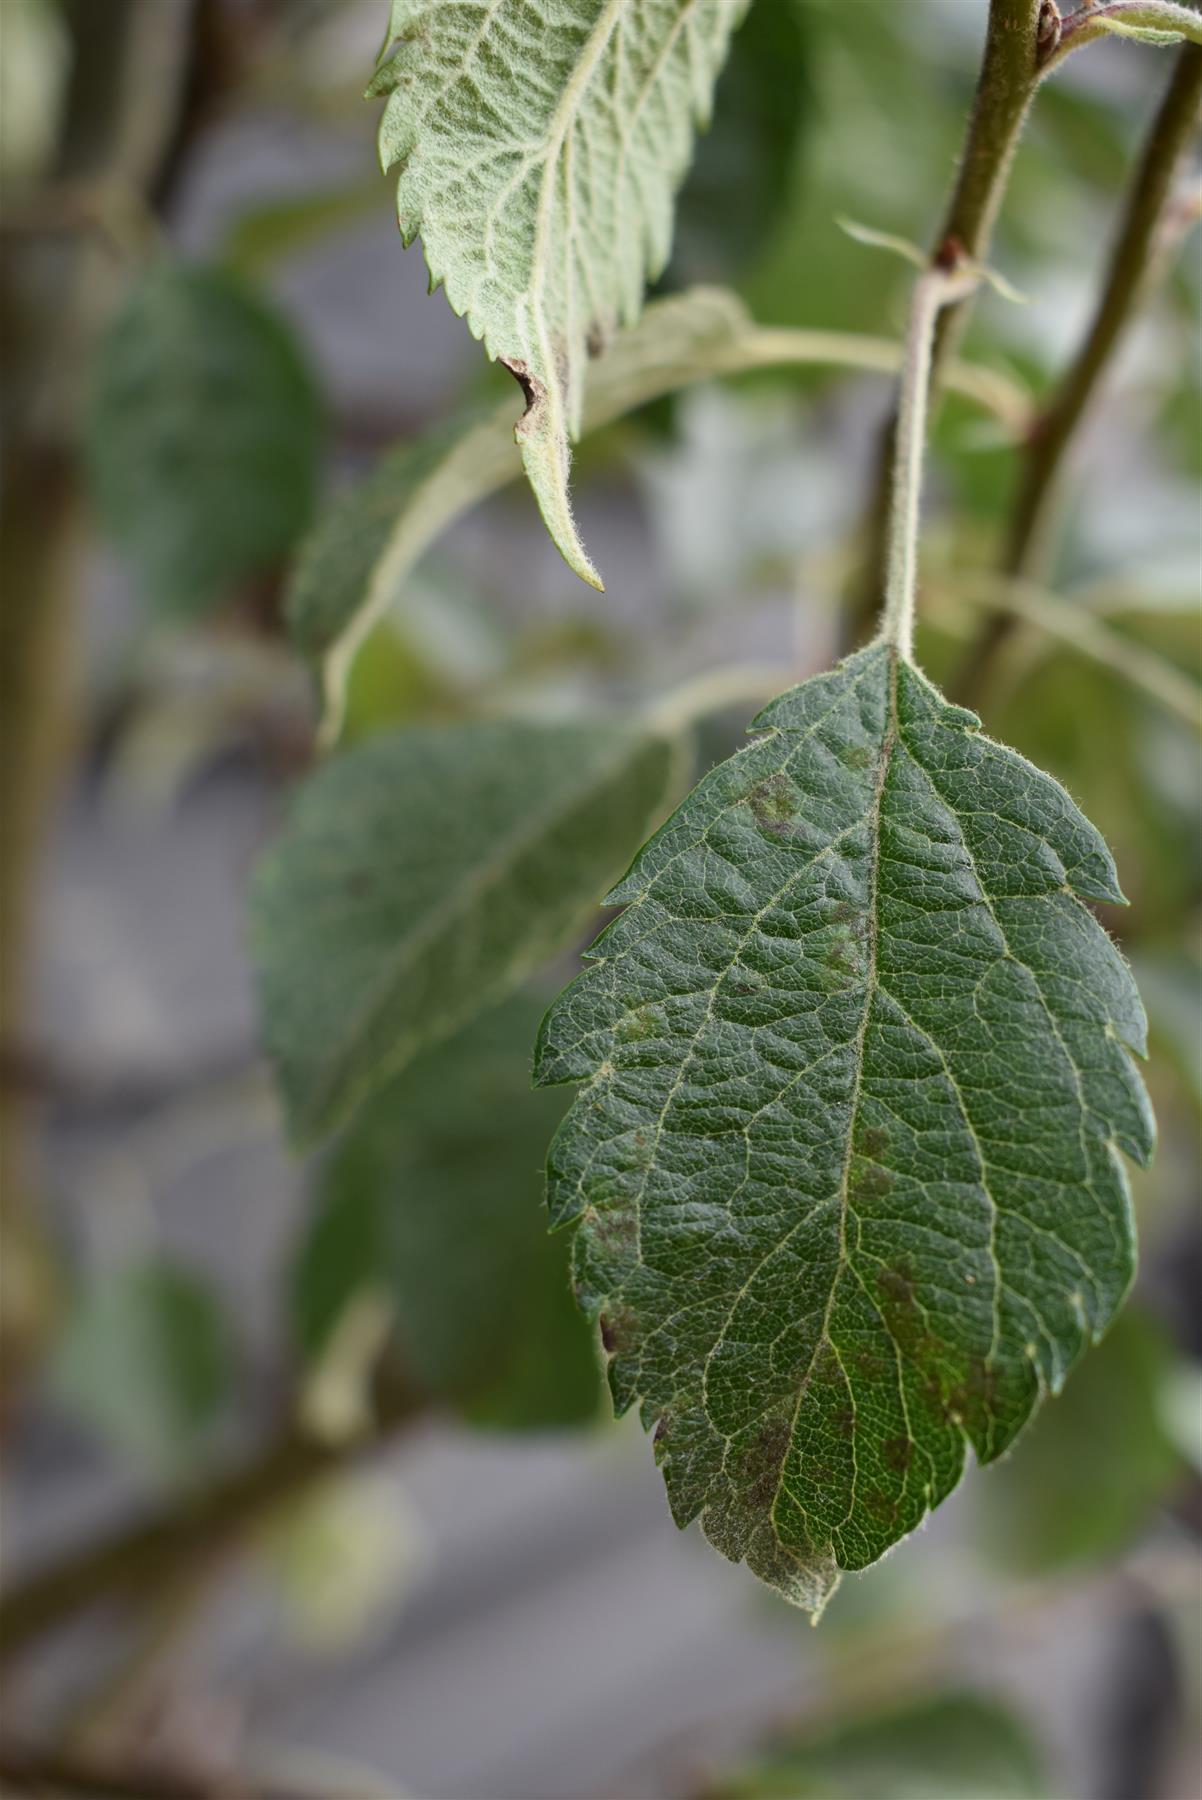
[[845, 1174], [355, 564], [540, 145]]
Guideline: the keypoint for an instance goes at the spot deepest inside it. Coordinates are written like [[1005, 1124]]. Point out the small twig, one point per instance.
[[33, 1773], [1139, 253], [1082, 629], [1005, 89], [212, 1522]]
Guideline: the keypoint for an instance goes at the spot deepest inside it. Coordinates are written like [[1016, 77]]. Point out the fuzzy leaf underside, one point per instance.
[[540, 144], [845, 1173], [357, 559]]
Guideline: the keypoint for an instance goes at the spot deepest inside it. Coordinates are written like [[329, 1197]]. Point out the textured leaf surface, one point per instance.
[[957, 1746], [845, 1171], [203, 435], [422, 876], [370, 538], [433, 1197], [355, 563], [540, 144]]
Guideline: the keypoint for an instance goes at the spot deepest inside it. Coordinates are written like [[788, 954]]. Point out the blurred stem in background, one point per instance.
[[1152, 226], [127, 64], [1006, 87]]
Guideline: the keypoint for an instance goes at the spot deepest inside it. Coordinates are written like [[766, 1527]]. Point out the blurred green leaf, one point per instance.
[[367, 542], [743, 171], [355, 563], [1083, 1479], [422, 876], [957, 1746], [144, 1358], [435, 1196], [1170, 981], [264, 235], [203, 434]]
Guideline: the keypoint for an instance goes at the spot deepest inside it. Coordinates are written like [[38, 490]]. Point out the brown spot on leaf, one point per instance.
[[617, 1330], [897, 1285], [897, 1452], [843, 1422], [870, 1182], [774, 803], [532, 388]]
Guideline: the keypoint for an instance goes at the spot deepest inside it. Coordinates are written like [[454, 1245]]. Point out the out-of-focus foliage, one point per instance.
[[1050, 1504], [32, 71], [203, 435], [954, 1746], [425, 874], [738, 513], [434, 1198], [745, 163], [145, 1360]]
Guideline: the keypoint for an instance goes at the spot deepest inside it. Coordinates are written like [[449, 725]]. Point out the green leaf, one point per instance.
[[539, 154], [433, 1197], [269, 233], [845, 1174], [1094, 1464], [367, 542], [957, 1746], [144, 1358], [203, 435], [422, 876], [744, 169], [1144, 34]]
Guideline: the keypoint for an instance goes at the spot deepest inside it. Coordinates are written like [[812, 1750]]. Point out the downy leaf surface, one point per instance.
[[540, 143], [422, 876], [845, 1174]]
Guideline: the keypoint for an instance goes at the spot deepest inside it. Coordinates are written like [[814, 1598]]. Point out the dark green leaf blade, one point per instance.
[[203, 434], [436, 1203], [845, 1171], [422, 876]]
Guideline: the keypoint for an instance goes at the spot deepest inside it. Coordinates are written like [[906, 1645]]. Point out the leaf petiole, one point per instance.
[[939, 287]]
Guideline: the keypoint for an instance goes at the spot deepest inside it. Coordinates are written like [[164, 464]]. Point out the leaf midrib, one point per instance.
[[888, 745]]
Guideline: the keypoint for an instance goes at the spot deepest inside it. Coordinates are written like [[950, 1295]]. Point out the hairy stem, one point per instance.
[[935, 292], [1006, 86], [1140, 253]]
